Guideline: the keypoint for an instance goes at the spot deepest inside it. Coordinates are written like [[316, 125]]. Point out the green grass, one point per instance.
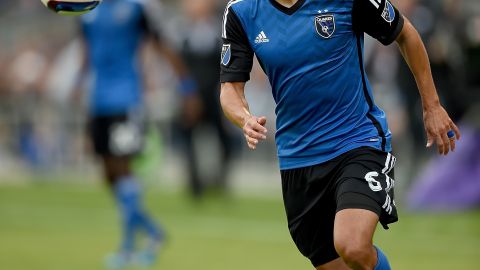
[[70, 227]]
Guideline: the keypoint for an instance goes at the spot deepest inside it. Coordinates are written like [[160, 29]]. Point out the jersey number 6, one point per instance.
[[372, 183]]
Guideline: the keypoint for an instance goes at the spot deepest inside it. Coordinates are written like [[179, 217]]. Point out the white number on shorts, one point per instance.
[[372, 183]]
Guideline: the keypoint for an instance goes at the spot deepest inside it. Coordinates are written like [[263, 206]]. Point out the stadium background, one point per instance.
[[55, 214]]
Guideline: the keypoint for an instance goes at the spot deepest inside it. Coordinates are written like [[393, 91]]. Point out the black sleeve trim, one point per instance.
[[237, 54], [377, 18], [396, 32]]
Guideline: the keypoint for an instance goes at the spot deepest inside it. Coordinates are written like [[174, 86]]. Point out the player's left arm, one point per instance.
[[436, 119], [83, 64], [381, 20], [152, 23], [153, 13]]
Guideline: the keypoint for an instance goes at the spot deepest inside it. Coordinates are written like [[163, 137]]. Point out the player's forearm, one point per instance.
[[234, 104], [173, 59], [187, 84], [83, 70], [415, 54]]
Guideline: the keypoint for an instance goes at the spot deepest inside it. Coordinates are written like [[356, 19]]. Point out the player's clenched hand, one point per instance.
[[437, 125], [254, 130]]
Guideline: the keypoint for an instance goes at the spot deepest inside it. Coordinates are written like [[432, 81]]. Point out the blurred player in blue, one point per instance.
[[334, 145], [114, 35]]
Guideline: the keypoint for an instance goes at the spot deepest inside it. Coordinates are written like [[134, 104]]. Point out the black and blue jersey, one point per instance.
[[312, 54], [113, 34]]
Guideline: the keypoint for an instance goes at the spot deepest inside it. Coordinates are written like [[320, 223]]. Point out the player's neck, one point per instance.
[[287, 3]]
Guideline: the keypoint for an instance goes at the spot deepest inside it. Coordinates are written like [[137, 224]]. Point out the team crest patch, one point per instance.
[[325, 25], [226, 54], [388, 12]]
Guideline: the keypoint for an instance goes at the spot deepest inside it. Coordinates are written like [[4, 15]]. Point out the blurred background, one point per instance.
[[221, 203]]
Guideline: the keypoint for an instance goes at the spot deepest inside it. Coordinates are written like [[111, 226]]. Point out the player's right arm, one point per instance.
[[236, 64], [235, 107]]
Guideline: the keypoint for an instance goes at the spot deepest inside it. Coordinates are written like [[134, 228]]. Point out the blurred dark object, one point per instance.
[[472, 63], [200, 49]]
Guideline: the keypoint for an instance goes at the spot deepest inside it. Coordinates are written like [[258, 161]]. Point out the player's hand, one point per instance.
[[254, 131], [437, 125]]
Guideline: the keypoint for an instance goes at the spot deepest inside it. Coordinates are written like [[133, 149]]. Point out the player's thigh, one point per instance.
[[354, 230], [311, 209], [116, 139]]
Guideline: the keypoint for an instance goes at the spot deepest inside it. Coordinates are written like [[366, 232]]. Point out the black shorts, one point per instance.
[[359, 179], [118, 135]]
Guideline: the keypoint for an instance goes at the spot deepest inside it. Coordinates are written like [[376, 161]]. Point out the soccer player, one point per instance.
[[113, 35], [333, 141]]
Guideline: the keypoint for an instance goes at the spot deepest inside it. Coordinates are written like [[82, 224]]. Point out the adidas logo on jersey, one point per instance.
[[262, 38]]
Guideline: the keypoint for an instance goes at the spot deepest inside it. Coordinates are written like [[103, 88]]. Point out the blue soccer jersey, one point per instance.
[[312, 54], [113, 35]]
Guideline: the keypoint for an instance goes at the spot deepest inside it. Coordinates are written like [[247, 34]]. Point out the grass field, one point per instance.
[[71, 227]]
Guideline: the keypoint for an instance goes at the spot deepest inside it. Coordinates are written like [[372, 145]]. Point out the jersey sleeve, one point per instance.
[[237, 54], [378, 18], [152, 18]]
